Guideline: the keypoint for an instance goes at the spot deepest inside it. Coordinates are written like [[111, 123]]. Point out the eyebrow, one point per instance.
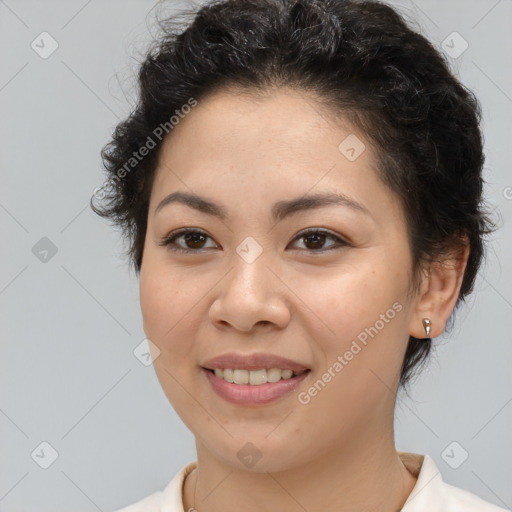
[[280, 210]]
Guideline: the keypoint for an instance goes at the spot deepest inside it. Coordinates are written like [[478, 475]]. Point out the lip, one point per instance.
[[247, 395], [253, 362]]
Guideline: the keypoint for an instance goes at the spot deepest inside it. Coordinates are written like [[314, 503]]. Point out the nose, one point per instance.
[[250, 295]]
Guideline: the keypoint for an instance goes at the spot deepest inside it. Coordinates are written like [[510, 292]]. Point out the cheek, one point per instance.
[[342, 302], [167, 318], [360, 314], [163, 302], [152, 298]]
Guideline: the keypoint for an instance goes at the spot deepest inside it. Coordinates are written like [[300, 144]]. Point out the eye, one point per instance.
[[193, 239], [315, 239]]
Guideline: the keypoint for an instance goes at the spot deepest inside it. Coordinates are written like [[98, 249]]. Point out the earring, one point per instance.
[[426, 325]]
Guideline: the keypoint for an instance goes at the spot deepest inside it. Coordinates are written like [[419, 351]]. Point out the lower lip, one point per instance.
[[245, 394]]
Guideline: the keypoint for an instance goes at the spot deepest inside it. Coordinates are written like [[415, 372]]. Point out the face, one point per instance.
[[325, 285]]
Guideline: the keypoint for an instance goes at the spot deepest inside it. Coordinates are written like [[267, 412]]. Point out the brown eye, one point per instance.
[[192, 241], [314, 240]]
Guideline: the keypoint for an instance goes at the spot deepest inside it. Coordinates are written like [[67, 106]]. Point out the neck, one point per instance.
[[365, 476]]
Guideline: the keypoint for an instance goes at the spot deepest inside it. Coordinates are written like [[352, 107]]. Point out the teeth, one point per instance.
[[241, 377], [257, 377], [253, 377], [224, 374]]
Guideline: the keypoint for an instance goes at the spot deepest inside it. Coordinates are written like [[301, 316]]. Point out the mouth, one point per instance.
[[253, 388], [253, 379], [257, 377]]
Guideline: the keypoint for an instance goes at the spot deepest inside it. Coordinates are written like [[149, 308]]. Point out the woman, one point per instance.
[[301, 189]]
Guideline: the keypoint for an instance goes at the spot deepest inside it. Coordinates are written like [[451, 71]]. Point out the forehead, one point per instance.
[[256, 159], [236, 114], [283, 130], [266, 148]]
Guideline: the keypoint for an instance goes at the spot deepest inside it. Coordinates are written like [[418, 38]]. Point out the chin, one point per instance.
[[257, 454]]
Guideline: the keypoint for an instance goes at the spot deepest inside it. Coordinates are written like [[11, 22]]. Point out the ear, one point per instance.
[[439, 291]]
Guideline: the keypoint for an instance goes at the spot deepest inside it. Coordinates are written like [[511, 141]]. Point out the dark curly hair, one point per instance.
[[366, 64]]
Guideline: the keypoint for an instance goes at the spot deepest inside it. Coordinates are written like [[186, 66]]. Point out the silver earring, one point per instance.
[[426, 325]]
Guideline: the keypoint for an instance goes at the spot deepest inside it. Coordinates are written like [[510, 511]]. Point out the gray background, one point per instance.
[[70, 324]]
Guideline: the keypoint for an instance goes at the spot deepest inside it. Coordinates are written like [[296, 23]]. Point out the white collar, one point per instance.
[[430, 493]]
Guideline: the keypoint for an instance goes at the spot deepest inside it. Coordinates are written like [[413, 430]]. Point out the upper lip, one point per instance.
[[253, 362]]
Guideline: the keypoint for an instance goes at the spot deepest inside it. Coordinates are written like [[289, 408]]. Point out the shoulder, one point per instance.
[[150, 503], [170, 499], [432, 493], [460, 500]]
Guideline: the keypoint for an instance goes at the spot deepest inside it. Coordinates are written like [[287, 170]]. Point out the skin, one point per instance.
[[337, 452]]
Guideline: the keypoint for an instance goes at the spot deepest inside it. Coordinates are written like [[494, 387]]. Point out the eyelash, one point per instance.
[[168, 241]]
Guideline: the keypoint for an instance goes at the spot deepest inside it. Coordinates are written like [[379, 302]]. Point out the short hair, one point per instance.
[[365, 63]]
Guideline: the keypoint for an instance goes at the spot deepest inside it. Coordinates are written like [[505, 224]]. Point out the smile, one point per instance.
[[254, 377], [247, 394]]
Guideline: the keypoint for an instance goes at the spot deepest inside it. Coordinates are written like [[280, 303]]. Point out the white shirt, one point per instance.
[[430, 494]]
